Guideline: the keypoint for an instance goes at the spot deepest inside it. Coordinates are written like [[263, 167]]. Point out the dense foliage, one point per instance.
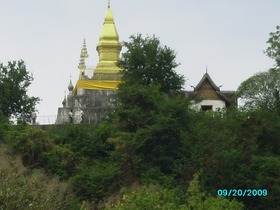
[[14, 83], [103, 164], [147, 62], [153, 152], [21, 188], [154, 197], [261, 90], [273, 50]]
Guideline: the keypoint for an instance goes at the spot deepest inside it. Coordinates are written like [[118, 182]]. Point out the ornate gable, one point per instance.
[[207, 92], [206, 89], [209, 96]]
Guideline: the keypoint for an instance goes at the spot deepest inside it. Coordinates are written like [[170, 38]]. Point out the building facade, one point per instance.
[[92, 97], [207, 96]]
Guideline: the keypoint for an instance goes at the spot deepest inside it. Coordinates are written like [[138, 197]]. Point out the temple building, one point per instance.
[[91, 98], [207, 96]]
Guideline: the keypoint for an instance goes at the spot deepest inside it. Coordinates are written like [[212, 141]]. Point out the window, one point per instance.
[[206, 108]]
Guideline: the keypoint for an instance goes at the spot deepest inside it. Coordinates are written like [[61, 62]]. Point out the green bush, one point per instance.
[[198, 200], [23, 189], [94, 182], [61, 160], [31, 143], [158, 198], [84, 140], [266, 176], [148, 198], [4, 126]]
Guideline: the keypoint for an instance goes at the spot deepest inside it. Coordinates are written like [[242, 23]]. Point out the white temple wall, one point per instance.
[[216, 104]]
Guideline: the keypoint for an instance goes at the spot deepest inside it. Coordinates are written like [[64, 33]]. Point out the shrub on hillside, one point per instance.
[[154, 198], [4, 126], [61, 160], [22, 189], [31, 143], [95, 182]]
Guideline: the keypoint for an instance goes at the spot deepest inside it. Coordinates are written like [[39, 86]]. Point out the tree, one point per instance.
[[147, 62], [263, 89], [266, 170], [273, 51], [151, 137], [150, 116], [14, 83], [31, 143]]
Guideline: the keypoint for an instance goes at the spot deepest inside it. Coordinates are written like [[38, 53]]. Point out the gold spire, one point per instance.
[[109, 31], [107, 73], [108, 49], [84, 52], [82, 64], [83, 55]]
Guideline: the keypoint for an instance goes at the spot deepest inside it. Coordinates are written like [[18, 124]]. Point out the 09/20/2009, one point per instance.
[[242, 192]]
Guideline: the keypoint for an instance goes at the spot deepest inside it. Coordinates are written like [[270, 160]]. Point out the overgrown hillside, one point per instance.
[[153, 165]]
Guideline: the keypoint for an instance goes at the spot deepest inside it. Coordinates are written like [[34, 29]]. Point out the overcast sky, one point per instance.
[[228, 37]]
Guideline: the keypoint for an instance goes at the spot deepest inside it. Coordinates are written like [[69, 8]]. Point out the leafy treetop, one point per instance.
[[14, 83], [263, 89], [147, 62], [273, 51]]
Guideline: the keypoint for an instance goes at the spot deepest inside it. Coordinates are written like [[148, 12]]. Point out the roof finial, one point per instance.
[[108, 3], [206, 69], [70, 86]]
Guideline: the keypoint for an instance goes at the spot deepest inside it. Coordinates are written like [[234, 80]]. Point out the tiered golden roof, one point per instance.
[[107, 74], [108, 49]]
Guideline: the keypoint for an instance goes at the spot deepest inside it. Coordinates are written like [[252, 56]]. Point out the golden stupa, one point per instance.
[[107, 74]]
